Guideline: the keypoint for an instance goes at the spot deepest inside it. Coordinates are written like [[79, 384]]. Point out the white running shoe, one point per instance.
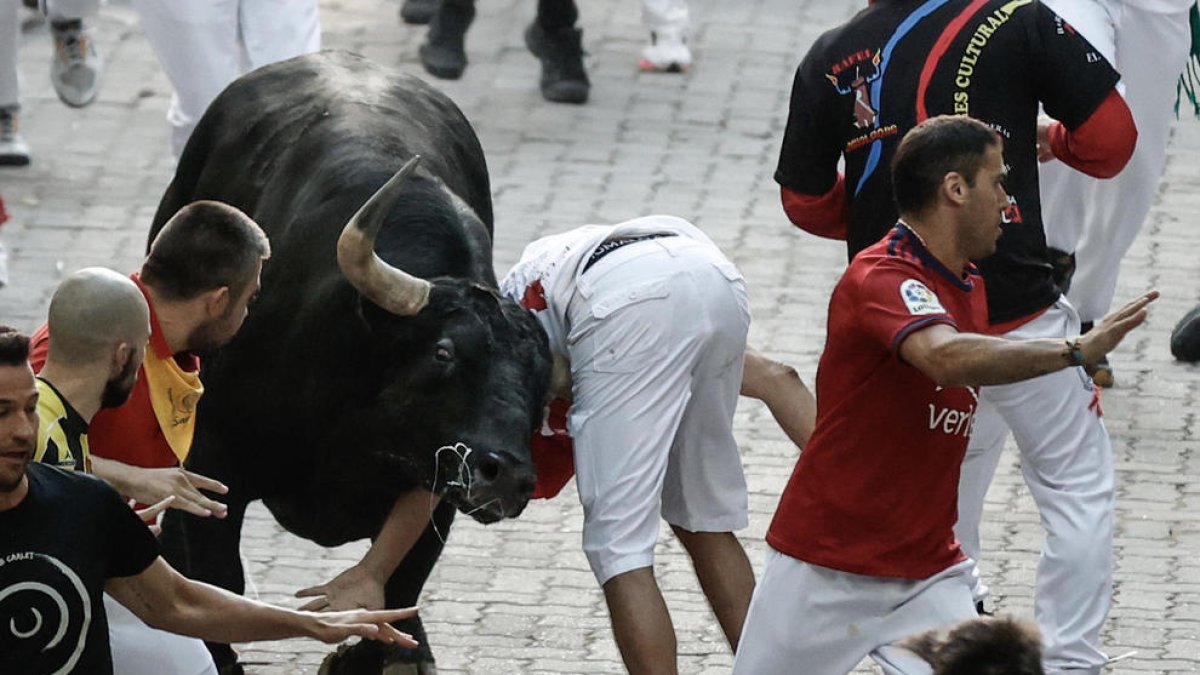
[[77, 65], [666, 53], [13, 149]]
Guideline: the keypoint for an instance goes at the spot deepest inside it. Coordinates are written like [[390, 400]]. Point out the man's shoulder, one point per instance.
[[79, 484], [50, 402], [893, 252]]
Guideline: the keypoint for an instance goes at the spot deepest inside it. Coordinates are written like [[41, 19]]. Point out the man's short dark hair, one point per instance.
[[14, 347], [934, 148], [204, 246]]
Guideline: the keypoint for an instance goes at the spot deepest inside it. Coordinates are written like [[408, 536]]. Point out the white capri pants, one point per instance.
[[203, 45], [138, 649], [814, 620], [1096, 219], [10, 33], [1066, 459], [656, 364]]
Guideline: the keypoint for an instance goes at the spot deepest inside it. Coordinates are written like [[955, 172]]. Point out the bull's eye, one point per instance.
[[444, 351]]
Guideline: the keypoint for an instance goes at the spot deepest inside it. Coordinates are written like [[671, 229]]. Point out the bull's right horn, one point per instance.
[[391, 288]]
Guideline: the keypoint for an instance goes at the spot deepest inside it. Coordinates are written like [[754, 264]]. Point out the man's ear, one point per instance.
[[216, 302], [121, 353], [955, 188]]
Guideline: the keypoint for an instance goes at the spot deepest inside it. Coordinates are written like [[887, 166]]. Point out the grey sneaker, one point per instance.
[[77, 65], [13, 149]]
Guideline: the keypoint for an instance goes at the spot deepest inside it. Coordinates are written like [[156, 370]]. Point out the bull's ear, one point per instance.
[[480, 290]]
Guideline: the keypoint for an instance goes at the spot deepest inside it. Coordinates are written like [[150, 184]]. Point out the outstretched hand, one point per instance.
[[353, 589], [150, 514], [334, 627], [1109, 331], [150, 486]]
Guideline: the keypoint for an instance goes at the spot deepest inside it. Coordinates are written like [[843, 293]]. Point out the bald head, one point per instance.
[[92, 310]]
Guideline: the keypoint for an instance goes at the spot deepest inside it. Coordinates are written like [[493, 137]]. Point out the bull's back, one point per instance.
[[296, 135]]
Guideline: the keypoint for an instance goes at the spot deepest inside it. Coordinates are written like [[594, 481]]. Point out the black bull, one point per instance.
[[327, 406]]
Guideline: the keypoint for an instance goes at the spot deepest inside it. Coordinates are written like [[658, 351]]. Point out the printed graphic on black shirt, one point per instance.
[[864, 84], [45, 613], [851, 75]]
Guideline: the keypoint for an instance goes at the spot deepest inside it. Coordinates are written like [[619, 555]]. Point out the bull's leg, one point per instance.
[[403, 589]]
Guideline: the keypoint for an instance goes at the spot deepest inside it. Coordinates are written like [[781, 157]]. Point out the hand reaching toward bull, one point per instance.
[[150, 486], [335, 627], [355, 588], [362, 585]]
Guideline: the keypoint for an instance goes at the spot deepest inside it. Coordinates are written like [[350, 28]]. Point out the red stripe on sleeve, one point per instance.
[[825, 215], [1103, 144]]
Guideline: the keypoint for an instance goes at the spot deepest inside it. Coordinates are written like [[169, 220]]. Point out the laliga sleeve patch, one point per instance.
[[919, 299]]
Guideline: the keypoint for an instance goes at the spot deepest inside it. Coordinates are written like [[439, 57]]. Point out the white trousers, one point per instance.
[[10, 33], [138, 649], [1099, 219], [814, 620], [203, 45], [1066, 459], [656, 364], [666, 16]]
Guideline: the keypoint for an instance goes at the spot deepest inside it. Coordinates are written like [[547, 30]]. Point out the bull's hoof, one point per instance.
[[372, 658]]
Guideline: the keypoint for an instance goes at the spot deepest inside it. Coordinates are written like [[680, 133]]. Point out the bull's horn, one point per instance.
[[392, 289]]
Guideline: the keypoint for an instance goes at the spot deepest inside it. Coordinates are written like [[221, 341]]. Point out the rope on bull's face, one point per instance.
[[463, 481]]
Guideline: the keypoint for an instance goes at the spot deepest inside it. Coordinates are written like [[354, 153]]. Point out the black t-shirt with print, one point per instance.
[[865, 84], [69, 535]]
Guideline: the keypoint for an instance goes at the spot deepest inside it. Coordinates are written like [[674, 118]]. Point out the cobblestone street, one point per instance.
[[518, 597]]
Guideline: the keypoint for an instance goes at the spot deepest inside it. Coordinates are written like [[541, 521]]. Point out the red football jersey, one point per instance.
[[875, 490]]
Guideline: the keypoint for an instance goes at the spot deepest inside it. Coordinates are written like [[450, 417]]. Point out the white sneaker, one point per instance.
[[77, 65], [666, 53], [13, 149]]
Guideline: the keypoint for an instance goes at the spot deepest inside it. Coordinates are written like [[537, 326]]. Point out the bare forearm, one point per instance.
[[404, 525], [210, 613], [112, 472], [779, 386], [216, 615], [970, 359], [954, 359]]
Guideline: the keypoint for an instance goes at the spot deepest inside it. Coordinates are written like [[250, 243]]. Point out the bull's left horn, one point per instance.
[[391, 288]]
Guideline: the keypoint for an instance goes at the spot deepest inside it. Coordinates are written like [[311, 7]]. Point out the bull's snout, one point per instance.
[[501, 474]]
